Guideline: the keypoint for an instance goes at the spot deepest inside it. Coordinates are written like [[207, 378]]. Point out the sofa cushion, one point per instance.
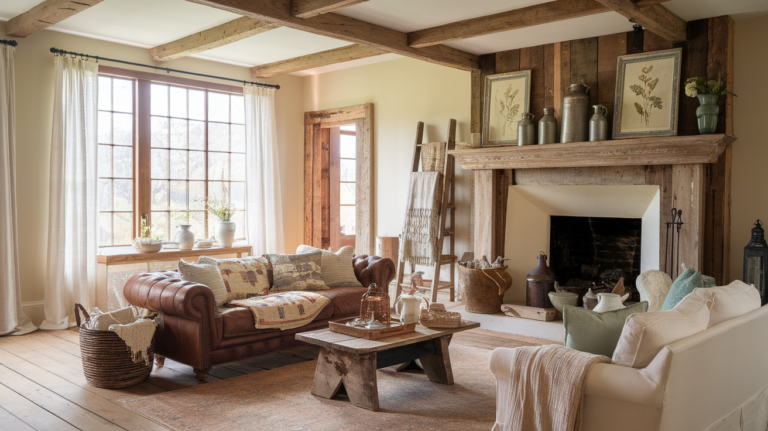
[[684, 284], [243, 277], [338, 270], [645, 334], [596, 333], [207, 275], [237, 322], [729, 301], [297, 271]]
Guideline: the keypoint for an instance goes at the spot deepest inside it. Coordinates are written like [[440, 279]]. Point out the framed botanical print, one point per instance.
[[647, 94], [507, 97]]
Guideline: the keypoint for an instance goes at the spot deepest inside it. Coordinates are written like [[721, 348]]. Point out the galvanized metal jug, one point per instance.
[[575, 114], [526, 131], [598, 124], [548, 127]]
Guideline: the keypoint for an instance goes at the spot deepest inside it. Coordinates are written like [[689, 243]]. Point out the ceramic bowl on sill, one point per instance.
[[148, 247]]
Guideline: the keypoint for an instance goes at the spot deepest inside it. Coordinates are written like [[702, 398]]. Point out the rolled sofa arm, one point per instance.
[[165, 292], [374, 269]]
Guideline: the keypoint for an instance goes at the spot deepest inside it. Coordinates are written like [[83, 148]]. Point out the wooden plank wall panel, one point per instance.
[[364, 210], [635, 42], [694, 64], [325, 187], [485, 210], [308, 181], [652, 42], [549, 75], [533, 59], [688, 183], [609, 48], [508, 61], [584, 65], [562, 77]]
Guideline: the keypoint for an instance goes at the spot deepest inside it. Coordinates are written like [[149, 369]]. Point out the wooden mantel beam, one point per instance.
[[346, 28], [654, 17], [215, 37], [308, 8], [319, 59], [45, 15], [510, 20]]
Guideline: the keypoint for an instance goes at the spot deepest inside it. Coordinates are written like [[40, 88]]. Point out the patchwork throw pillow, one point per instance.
[[243, 277], [684, 284], [729, 301], [207, 275], [653, 286], [338, 270], [297, 271], [596, 333], [645, 334]]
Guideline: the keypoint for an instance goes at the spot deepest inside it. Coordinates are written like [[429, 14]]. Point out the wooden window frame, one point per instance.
[[142, 160], [317, 190]]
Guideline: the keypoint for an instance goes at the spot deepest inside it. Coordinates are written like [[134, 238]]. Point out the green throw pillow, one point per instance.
[[596, 333], [684, 284]]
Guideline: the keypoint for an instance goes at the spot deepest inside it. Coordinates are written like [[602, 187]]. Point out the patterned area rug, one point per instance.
[[280, 399]]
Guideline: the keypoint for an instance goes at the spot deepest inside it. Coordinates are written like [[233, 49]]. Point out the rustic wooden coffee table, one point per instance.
[[352, 362]]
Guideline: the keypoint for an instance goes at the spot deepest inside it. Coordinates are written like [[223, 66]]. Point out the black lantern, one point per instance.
[[756, 262]]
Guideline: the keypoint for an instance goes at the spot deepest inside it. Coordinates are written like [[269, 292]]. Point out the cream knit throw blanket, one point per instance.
[[545, 389], [422, 223], [138, 337]]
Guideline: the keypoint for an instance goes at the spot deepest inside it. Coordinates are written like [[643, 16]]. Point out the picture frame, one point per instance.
[[647, 94], [507, 96]]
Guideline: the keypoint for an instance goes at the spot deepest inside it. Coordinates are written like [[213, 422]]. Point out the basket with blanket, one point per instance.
[[117, 348]]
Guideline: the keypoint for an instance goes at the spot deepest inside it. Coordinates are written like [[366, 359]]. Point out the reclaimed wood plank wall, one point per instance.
[[707, 52]]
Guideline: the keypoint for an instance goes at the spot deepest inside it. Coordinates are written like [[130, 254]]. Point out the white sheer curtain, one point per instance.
[[72, 213], [12, 317], [264, 211]]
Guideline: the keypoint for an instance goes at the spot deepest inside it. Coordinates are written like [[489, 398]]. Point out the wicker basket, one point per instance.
[[107, 361]]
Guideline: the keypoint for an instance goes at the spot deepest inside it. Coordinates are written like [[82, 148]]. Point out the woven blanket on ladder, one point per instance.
[[285, 310], [422, 222]]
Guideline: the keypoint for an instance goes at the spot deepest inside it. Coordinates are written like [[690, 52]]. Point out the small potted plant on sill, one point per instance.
[[146, 243], [224, 210], [708, 91]]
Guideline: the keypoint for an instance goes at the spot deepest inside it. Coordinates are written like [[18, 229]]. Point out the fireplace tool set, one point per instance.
[[673, 250]]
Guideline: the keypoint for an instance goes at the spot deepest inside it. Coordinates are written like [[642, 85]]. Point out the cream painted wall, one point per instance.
[[34, 106], [403, 92], [749, 187]]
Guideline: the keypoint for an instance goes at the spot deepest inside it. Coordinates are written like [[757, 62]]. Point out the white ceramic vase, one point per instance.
[[225, 233], [609, 302], [185, 237]]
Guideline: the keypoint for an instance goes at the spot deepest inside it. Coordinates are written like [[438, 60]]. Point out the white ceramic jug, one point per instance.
[[409, 308], [609, 302]]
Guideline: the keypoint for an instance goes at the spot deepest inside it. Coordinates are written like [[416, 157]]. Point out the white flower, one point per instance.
[[690, 89]]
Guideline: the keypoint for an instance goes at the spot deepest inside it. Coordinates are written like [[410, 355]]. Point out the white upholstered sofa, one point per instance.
[[713, 380]]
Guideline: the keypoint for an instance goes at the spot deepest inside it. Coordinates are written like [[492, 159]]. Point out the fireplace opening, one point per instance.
[[595, 252]]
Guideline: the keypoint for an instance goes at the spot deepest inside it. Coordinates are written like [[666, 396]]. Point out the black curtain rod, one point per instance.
[[9, 42], [167, 70]]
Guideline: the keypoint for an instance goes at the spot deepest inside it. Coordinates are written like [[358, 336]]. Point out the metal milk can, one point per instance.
[[548, 127], [526, 131], [598, 124], [575, 114]]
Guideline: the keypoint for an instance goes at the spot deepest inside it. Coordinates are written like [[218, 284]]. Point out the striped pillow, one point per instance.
[[207, 275], [337, 267]]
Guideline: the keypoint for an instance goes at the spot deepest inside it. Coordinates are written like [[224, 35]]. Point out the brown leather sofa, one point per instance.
[[197, 334]]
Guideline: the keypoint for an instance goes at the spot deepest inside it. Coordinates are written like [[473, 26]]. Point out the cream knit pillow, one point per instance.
[[645, 334], [338, 270], [207, 275]]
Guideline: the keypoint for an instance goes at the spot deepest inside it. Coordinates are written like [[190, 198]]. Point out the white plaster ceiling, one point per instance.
[[148, 23]]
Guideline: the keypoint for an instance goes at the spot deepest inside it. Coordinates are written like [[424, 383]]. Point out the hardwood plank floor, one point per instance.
[[42, 386]]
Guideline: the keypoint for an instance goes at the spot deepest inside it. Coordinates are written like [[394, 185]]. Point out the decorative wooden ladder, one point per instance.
[[447, 204]]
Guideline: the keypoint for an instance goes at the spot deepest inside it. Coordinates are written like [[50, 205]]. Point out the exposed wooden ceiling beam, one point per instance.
[[338, 55], [654, 17], [518, 18], [215, 37], [45, 15], [308, 8], [345, 28]]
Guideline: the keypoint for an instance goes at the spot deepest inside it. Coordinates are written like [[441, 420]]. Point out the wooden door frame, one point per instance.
[[317, 222]]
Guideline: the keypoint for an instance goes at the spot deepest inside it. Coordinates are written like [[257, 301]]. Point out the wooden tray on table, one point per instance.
[[398, 328]]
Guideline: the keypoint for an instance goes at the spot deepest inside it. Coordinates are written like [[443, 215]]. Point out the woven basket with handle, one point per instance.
[[107, 361]]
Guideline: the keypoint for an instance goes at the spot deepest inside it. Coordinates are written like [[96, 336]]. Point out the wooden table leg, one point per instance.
[[356, 372], [438, 366]]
